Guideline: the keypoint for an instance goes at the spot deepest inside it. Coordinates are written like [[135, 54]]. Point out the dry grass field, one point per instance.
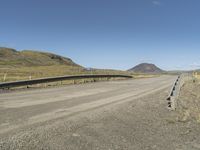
[[25, 73], [35, 72], [27, 64], [189, 102]]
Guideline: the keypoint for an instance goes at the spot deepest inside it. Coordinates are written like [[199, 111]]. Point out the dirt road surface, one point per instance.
[[115, 115]]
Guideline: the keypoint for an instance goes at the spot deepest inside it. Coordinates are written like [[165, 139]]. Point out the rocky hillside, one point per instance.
[[11, 57], [146, 68]]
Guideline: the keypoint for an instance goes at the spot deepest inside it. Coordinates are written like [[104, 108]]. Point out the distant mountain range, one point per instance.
[[146, 68], [12, 57]]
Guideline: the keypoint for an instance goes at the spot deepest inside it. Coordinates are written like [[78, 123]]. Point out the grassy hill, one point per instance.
[[26, 64], [11, 57], [23, 65]]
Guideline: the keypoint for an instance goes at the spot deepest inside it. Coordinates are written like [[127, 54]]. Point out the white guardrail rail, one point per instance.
[[175, 91]]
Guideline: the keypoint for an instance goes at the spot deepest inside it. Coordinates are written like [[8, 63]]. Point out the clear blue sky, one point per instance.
[[114, 34]]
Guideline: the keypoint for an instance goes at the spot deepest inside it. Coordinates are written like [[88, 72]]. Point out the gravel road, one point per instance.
[[128, 114]]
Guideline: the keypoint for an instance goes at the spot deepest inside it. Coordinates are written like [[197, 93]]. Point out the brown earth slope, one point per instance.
[[11, 57]]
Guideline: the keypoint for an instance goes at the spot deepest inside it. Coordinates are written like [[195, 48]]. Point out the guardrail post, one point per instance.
[[4, 77], [45, 84]]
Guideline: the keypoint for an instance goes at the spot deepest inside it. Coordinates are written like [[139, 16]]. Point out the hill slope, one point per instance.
[[21, 65], [11, 57], [146, 68]]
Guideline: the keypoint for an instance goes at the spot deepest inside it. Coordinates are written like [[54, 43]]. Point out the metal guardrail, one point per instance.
[[174, 93], [54, 79]]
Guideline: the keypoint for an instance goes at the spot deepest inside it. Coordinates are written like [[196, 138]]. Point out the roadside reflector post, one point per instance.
[[45, 84], [4, 77]]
